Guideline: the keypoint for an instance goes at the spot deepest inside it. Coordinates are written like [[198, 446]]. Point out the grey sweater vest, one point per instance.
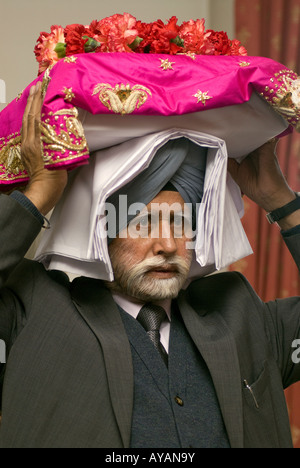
[[175, 407]]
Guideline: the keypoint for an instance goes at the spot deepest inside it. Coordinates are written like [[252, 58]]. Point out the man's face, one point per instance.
[[150, 259]]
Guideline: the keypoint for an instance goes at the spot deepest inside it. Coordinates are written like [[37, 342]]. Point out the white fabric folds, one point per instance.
[[77, 241]]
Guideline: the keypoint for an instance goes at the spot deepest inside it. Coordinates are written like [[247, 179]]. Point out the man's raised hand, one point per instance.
[[46, 186], [261, 179]]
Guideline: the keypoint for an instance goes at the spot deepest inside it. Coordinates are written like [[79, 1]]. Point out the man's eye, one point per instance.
[[178, 221], [144, 222]]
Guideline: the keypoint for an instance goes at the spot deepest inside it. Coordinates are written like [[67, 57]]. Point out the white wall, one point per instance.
[[21, 22]]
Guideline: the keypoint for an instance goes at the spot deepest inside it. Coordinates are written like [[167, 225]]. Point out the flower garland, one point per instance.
[[123, 33]]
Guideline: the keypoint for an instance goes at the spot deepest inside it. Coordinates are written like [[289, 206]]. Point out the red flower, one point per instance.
[[220, 42], [144, 33], [223, 45], [123, 33], [75, 40], [119, 32], [45, 47], [159, 38], [237, 48], [196, 39]]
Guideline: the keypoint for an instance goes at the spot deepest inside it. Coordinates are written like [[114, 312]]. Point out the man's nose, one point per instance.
[[165, 242]]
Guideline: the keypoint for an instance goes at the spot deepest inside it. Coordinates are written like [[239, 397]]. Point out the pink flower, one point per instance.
[[195, 38], [45, 47]]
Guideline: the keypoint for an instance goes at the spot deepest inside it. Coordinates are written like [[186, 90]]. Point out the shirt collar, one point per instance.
[[132, 307]]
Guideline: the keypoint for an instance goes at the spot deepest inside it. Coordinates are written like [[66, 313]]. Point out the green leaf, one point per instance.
[[178, 41], [91, 45], [136, 43], [60, 49]]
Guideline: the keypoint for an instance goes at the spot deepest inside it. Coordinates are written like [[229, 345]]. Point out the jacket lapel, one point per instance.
[[217, 346], [95, 304]]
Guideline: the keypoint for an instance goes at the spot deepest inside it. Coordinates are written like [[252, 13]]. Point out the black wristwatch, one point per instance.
[[284, 211]]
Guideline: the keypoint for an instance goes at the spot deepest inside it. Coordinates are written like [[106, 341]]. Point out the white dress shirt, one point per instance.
[[133, 309]]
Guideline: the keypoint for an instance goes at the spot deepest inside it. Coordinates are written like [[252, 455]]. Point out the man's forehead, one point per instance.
[[167, 208], [167, 199]]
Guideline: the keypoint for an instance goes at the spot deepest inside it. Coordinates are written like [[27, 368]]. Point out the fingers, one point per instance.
[[269, 147], [36, 111], [32, 114], [31, 151]]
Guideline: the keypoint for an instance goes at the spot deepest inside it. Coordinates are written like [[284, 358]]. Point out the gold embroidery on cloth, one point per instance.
[[46, 80], [70, 138], [69, 95], [10, 157], [71, 59], [202, 97], [166, 64], [122, 99], [284, 95], [64, 140], [192, 55], [19, 96]]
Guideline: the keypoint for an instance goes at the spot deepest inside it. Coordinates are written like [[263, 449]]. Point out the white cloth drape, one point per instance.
[[77, 241]]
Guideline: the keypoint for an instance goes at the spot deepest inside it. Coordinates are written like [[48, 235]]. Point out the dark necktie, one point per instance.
[[151, 317]]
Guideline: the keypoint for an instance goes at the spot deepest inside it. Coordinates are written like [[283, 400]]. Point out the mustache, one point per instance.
[[173, 263], [148, 288]]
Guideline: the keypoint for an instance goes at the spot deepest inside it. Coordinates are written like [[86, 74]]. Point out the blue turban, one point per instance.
[[179, 164]]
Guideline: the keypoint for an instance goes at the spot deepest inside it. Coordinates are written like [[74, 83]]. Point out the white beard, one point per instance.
[[135, 282]]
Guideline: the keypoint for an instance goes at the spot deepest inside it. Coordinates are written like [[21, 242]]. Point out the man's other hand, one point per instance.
[[261, 179]]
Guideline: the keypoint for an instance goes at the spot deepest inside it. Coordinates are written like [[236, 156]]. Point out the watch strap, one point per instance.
[[284, 211]]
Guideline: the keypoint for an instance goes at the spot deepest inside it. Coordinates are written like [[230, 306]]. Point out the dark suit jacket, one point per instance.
[[69, 377]]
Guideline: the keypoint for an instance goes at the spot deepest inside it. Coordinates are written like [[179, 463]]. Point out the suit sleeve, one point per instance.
[[18, 229], [283, 322]]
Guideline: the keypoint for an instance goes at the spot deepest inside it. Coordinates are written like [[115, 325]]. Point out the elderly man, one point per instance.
[[139, 362]]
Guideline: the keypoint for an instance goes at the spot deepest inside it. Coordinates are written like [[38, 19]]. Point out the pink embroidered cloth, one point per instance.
[[143, 85]]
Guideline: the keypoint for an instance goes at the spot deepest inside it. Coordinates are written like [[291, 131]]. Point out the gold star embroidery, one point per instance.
[[19, 95], [189, 54], [203, 97], [69, 95], [70, 59], [166, 64]]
